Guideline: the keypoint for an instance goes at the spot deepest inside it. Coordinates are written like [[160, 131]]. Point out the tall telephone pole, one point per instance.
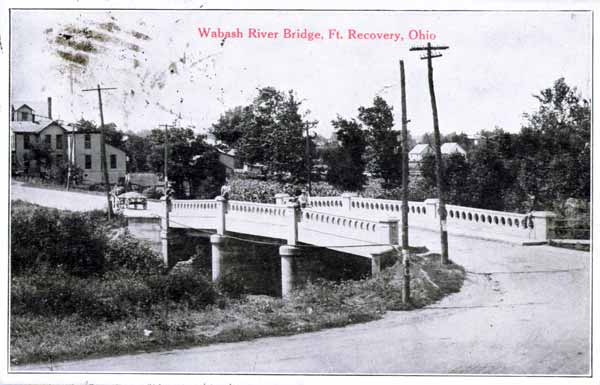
[[103, 147], [438, 150], [405, 249], [307, 154]]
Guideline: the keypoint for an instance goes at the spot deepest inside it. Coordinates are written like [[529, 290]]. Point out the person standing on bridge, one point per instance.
[[225, 190], [303, 199]]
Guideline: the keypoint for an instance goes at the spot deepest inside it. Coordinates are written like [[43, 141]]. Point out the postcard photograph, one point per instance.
[[375, 192]]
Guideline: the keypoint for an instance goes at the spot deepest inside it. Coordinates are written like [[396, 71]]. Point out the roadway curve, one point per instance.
[[522, 310]]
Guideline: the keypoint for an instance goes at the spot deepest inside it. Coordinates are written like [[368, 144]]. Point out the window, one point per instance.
[[87, 144], [47, 139], [59, 142], [113, 161], [88, 161], [24, 116], [26, 141]]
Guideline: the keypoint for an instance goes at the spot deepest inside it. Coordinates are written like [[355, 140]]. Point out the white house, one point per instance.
[[418, 152], [452, 148]]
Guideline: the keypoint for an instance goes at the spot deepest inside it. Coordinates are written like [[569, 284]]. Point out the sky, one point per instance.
[[163, 69]]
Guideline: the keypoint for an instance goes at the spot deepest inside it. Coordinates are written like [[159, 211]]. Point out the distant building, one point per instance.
[[453, 148], [29, 130], [230, 161], [85, 153], [418, 152]]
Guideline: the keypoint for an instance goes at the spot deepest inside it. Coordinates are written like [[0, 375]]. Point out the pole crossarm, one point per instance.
[[99, 88], [429, 47]]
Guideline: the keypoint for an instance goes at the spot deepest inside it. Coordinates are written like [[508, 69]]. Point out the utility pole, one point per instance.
[[103, 147], [308, 158], [438, 151], [405, 249], [164, 233]]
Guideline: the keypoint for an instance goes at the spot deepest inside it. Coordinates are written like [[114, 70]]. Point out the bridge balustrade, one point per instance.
[[197, 213], [261, 219]]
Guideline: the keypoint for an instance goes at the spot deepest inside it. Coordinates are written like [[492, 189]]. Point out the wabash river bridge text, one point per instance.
[[306, 34]]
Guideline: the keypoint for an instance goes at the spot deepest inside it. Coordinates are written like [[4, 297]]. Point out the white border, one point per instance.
[[14, 378]]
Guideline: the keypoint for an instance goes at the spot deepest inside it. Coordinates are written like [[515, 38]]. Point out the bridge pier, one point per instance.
[[289, 268], [375, 264], [216, 251]]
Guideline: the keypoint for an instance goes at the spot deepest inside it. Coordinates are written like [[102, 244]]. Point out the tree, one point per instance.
[[556, 141], [384, 144], [112, 135], [138, 149], [269, 131], [346, 163], [192, 162], [232, 124]]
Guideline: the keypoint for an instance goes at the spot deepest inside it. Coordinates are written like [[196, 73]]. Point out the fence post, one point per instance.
[[293, 214], [281, 198], [432, 207], [388, 231], [543, 225], [221, 210], [347, 200]]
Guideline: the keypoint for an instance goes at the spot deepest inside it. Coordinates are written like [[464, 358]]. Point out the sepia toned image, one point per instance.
[[295, 192]]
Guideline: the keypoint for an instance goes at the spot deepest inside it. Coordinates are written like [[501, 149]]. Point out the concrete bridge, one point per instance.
[[364, 227]]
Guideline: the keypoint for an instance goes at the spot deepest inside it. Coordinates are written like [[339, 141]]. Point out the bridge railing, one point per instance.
[[262, 219], [193, 206], [489, 224], [326, 224]]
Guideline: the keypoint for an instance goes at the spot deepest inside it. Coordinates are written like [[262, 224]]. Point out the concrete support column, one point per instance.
[[388, 231], [347, 200], [375, 264], [543, 225], [292, 213], [217, 249], [288, 268], [221, 211], [281, 198]]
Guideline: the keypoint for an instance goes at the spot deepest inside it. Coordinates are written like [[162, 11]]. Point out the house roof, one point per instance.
[[28, 127], [419, 148], [39, 108], [452, 147]]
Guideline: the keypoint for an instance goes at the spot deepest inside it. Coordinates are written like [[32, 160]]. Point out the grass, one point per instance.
[[320, 304]]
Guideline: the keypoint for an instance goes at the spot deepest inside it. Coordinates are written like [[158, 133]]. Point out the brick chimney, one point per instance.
[[49, 107]]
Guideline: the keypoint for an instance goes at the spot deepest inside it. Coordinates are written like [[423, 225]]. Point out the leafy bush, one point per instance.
[[232, 284], [111, 297], [48, 236], [127, 252], [184, 287]]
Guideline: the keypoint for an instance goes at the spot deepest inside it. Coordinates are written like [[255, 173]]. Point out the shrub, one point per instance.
[[127, 252], [67, 239], [184, 287], [112, 297], [232, 284]]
